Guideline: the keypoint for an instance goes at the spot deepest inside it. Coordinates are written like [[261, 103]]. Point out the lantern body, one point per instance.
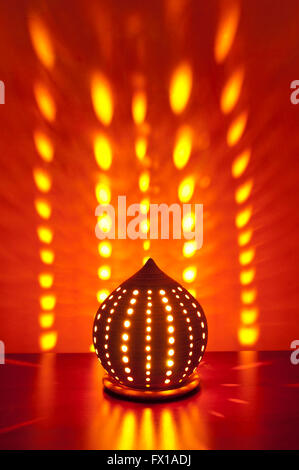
[[150, 333]]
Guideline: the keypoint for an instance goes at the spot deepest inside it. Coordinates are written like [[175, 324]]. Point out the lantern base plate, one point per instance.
[[190, 385]]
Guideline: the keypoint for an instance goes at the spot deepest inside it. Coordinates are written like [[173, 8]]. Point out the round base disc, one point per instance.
[[191, 384]]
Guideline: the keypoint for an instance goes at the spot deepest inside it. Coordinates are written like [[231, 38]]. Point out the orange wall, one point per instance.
[[217, 73]]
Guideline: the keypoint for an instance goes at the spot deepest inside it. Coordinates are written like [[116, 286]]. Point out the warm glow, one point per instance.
[[47, 302], [43, 146], [231, 91], [246, 256], [45, 234], [180, 87], [48, 341], [240, 163], [45, 280], [189, 274], [243, 217], [42, 179], [243, 192], [226, 31], [46, 320], [102, 151], [41, 42], [103, 193], [244, 237], [248, 335], [140, 147], [186, 189], [144, 181], [246, 277], [139, 107], [183, 147], [45, 102], [105, 249], [47, 256], [236, 129], [104, 272], [102, 98], [43, 208]]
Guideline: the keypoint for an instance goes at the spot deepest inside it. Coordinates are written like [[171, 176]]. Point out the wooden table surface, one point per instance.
[[247, 400]]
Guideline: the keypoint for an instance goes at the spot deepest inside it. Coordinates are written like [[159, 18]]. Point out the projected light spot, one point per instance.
[[189, 274], [102, 152], [103, 193], [102, 98], [47, 302], [244, 237], [46, 320], [246, 277], [186, 189], [248, 296], [41, 41], [247, 256], [139, 107], [48, 341], [102, 295], [189, 248], [183, 147], [243, 192], [42, 179], [45, 280], [47, 256], [144, 181], [43, 146], [248, 335], [240, 163], [236, 129], [105, 249], [104, 272], [45, 234], [43, 208], [105, 223], [180, 87], [45, 102], [188, 222], [140, 147], [243, 217], [232, 91], [249, 315], [226, 30]]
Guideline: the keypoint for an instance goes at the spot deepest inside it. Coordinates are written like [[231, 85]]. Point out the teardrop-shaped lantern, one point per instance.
[[150, 335]]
